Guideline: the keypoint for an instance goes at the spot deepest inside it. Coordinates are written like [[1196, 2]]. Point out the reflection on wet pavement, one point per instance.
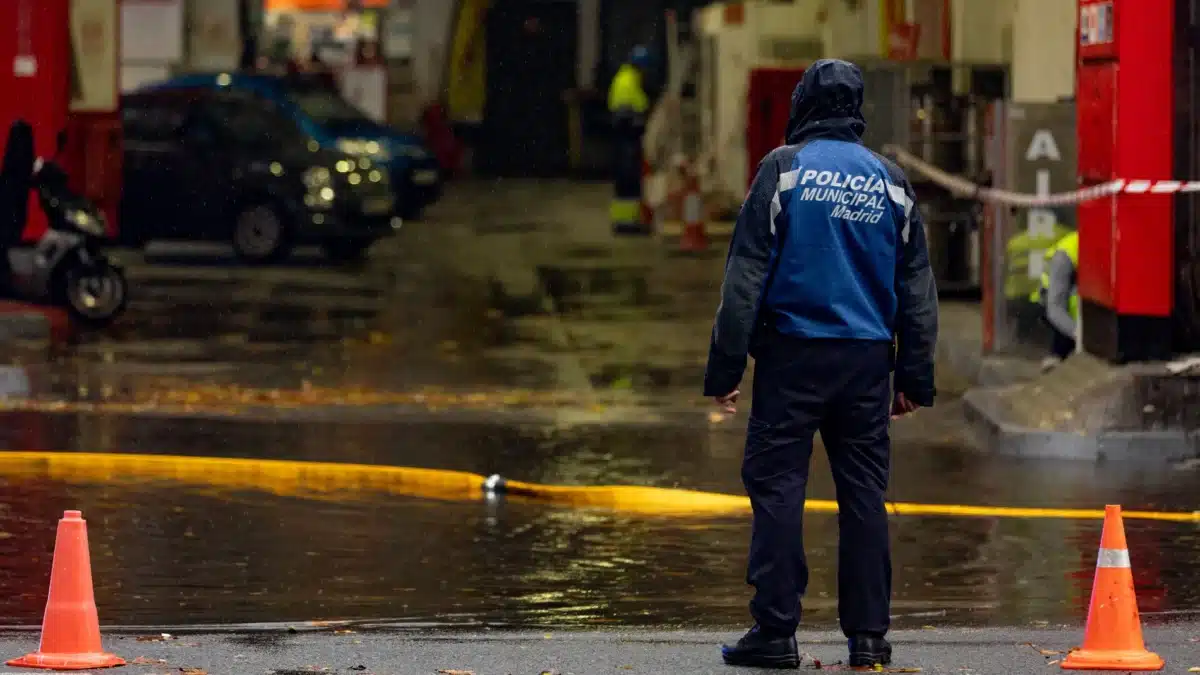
[[480, 301], [248, 556]]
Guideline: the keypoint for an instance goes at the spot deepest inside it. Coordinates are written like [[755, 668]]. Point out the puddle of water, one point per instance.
[[249, 558], [167, 553]]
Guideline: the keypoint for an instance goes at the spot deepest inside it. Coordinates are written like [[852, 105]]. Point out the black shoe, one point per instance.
[[758, 649], [869, 650]]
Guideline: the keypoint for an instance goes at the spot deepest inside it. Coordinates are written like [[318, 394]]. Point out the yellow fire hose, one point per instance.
[[332, 480]]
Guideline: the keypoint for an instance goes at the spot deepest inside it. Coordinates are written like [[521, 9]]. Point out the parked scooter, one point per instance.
[[66, 267]]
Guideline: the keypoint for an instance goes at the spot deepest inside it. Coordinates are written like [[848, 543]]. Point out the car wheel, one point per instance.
[[347, 250], [260, 234]]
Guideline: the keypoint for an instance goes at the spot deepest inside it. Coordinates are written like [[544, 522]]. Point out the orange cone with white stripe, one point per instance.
[[693, 239], [1113, 640]]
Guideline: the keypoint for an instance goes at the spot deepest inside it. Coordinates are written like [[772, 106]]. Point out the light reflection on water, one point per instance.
[[166, 553], [250, 557]]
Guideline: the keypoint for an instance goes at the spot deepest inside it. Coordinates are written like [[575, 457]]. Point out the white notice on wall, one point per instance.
[[25, 65]]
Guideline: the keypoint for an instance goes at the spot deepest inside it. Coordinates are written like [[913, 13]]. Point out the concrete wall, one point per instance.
[[982, 32], [158, 38], [432, 22], [1043, 63], [770, 34], [852, 33]]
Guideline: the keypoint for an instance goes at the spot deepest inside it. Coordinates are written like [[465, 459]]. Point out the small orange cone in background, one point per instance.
[[1113, 640], [71, 627], [693, 239]]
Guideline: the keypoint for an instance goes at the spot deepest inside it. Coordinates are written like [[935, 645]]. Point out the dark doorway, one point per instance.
[[1187, 164], [531, 63]]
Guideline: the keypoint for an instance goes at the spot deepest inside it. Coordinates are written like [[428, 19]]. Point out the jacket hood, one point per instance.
[[827, 103]]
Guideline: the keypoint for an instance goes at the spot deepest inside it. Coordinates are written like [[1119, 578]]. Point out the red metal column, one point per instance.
[[1125, 113], [35, 70]]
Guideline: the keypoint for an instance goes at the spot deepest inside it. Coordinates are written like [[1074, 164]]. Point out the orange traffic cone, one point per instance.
[[645, 210], [694, 239], [1113, 640], [70, 628]]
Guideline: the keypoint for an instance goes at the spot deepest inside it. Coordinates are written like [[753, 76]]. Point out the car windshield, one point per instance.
[[252, 123], [324, 106]]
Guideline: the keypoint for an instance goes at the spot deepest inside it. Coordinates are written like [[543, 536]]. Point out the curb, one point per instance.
[[990, 431], [28, 322]]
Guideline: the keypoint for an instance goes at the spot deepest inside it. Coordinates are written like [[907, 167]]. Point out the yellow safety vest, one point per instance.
[[626, 91], [1069, 245]]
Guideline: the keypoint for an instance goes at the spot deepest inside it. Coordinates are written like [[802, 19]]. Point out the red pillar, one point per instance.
[[1125, 107], [35, 76]]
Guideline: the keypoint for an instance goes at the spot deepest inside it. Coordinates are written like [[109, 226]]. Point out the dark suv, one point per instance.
[[204, 165]]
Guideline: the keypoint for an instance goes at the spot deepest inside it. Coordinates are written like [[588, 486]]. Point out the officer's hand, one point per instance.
[[901, 406], [728, 402]]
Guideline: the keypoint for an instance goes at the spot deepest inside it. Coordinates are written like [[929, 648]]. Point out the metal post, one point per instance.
[[998, 237]]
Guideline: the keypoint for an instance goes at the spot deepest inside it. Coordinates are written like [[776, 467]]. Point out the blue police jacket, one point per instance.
[[829, 244]]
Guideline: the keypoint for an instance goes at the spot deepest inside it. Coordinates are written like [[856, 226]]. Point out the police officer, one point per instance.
[[628, 105], [1060, 298], [828, 286]]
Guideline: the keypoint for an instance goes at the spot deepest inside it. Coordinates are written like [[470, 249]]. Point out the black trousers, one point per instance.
[[1061, 345], [841, 388], [627, 162]]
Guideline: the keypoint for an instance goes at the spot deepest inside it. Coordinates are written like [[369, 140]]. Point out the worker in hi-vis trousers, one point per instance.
[[628, 105], [1059, 298], [828, 286]]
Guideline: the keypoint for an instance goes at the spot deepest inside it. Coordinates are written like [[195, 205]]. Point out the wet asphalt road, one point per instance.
[[174, 553], [365, 651], [442, 306]]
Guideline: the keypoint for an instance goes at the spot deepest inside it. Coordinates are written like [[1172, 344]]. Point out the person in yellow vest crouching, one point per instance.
[[1059, 297], [628, 104]]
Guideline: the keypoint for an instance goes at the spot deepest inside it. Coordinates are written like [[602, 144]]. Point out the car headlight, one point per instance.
[[364, 148], [92, 224], [319, 192]]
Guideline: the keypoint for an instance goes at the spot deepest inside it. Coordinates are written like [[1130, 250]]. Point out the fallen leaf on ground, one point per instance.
[[1043, 652], [147, 661], [343, 631], [456, 672], [163, 637], [715, 417], [1194, 670], [193, 671]]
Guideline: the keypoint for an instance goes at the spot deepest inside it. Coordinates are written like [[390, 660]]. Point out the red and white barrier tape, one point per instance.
[[965, 188]]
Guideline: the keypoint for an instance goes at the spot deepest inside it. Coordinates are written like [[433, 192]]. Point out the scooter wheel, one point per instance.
[[94, 296]]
